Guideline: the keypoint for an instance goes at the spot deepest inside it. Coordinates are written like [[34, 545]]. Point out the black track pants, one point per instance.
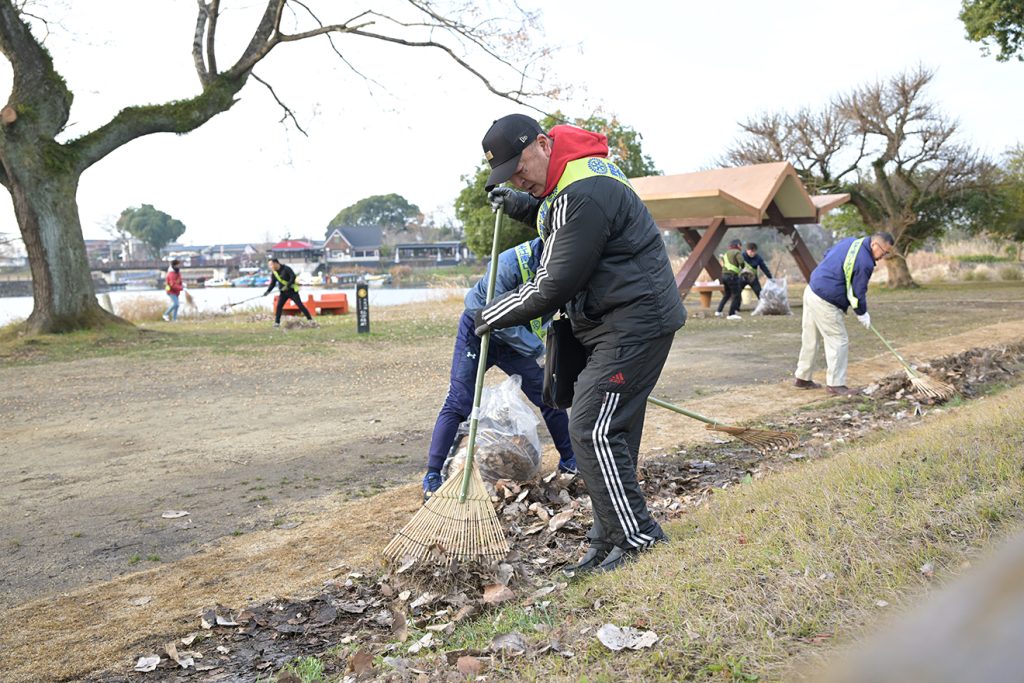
[[605, 424], [294, 296], [733, 290]]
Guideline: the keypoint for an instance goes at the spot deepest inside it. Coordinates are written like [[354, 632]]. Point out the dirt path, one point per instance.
[[96, 449]]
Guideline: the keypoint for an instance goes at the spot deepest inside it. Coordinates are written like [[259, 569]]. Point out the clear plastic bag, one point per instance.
[[507, 445], [774, 299]]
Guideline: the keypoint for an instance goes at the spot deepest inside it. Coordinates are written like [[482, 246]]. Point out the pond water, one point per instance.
[[212, 300]]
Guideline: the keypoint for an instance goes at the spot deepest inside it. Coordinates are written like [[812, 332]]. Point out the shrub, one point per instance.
[[1011, 273]]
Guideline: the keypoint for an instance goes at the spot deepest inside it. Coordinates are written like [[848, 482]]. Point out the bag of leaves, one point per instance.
[[774, 298], [507, 445]]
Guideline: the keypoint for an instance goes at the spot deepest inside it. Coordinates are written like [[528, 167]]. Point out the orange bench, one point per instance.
[[333, 304], [328, 304]]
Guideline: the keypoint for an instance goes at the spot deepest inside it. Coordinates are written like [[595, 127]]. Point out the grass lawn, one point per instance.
[[780, 569]]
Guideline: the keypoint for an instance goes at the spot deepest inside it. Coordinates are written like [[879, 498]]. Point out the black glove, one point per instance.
[[480, 327], [517, 205]]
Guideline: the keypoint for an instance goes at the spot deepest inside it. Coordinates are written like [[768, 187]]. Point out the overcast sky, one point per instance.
[[681, 73]]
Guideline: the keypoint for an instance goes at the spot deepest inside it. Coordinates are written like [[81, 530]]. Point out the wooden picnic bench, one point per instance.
[[705, 292]]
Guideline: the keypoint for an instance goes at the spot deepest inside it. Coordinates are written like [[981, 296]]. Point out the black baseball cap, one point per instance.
[[504, 144]]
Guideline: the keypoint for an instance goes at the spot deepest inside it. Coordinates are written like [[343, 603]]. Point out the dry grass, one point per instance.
[[977, 246], [777, 570], [143, 309]]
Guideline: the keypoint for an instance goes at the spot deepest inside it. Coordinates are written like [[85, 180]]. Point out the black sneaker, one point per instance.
[[588, 563], [618, 557]]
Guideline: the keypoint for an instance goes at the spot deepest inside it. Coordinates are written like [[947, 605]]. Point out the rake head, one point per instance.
[[931, 387], [467, 532], [764, 441]]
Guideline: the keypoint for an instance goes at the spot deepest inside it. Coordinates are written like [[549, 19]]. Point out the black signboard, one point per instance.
[[362, 308]]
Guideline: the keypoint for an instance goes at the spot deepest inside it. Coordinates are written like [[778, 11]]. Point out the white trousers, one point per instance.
[[821, 317]]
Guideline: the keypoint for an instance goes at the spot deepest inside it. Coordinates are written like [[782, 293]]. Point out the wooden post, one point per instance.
[[713, 267], [702, 255], [362, 307], [797, 247]]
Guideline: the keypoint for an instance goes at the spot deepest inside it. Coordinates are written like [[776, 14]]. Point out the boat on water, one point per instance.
[[251, 281], [310, 280], [217, 282], [378, 280]]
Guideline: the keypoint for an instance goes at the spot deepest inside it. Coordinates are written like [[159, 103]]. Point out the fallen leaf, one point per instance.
[[509, 643], [360, 663], [424, 599], [495, 593], [425, 641], [406, 566], [928, 570], [147, 663], [183, 660], [226, 621], [189, 639], [881, 603], [469, 666], [223, 650], [404, 595], [288, 677], [400, 628], [615, 638], [140, 601], [560, 520], [174, 514]]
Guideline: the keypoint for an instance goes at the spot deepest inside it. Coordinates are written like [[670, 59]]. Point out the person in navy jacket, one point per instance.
[[513, 349], [840, 282], [751, 262]]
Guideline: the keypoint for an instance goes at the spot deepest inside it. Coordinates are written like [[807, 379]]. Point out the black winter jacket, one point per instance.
[[605, 261]]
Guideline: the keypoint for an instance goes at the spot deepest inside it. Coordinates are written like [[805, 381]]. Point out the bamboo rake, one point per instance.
[[458, 520], [929, 386], [763, 440]]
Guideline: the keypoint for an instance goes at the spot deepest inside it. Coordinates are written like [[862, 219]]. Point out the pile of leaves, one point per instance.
[[393, 624]]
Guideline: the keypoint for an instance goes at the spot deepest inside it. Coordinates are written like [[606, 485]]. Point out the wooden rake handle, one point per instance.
[[682, 411]]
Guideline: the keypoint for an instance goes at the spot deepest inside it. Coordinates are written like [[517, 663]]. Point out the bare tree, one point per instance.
[[888, 146], [42, 174]]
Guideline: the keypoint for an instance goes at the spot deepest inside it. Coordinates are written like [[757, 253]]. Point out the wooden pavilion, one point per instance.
[[758, 196]]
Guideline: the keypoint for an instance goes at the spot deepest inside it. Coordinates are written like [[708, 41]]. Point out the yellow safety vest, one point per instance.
[[851, 257], [575, 170], [284, 283], [727, 265], [523, 254]]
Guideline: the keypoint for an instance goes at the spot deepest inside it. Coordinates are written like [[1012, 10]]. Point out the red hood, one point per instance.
[[568, 144]]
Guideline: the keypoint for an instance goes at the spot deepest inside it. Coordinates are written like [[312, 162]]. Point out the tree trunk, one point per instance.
[[47, 211], [898, 273]]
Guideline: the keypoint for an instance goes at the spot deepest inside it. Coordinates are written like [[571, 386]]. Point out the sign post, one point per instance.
[[362, 307]]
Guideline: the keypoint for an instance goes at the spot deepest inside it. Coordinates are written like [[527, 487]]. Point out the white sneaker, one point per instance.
[[166, 319], [734, 316], [719, 314]]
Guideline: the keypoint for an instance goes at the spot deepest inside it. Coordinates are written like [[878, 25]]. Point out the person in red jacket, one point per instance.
[[173, 287]]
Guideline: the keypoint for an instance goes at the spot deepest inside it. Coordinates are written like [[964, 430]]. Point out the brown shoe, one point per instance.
[[806, 384], [841, 391]]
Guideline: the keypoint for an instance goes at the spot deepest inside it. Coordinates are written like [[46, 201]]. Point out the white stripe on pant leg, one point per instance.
[[613, 483], [604, 414], [635, 538]]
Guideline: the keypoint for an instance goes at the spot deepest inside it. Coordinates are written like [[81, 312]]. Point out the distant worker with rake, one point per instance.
[[839, 282], [605, 262], [732, 281], [515, 350], [173, 285], [283, 277]]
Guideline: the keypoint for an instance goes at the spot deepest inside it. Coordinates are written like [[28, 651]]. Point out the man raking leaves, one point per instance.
[[605, 262]]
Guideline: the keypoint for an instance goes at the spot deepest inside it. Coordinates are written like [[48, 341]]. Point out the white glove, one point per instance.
[[865, 320]]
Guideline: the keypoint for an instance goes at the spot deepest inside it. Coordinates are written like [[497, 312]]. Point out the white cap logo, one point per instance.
[[524, 138]]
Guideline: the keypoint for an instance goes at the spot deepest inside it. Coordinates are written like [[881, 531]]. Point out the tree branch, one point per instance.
[[213, 9], [197, 44], [288, 113], [180, 116], [37, 85]]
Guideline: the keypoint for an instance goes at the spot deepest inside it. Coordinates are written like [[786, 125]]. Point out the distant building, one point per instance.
[[244, 254], [431, 253], [302, 256], [103, 251], [353, 246]]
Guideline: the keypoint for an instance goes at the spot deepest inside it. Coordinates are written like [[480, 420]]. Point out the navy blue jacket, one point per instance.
[[519, 337], [756, 262], [829, 282]]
